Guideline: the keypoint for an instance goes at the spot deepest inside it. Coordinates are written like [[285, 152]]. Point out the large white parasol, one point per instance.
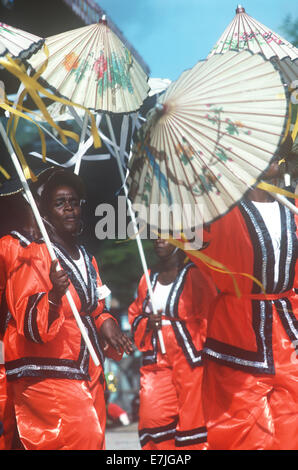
[[91, 66], [210, 137], [244, 32]]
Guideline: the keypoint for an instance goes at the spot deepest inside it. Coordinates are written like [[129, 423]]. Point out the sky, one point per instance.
[[172, 35]]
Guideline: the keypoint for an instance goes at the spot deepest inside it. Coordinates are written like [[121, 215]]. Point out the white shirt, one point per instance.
[[81, 265], [160, 296], [271, 215]]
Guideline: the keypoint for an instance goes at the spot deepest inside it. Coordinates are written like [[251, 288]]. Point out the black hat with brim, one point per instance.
[[61, 177], [13, 185]]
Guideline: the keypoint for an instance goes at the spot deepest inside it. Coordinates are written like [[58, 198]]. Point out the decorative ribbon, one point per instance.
[[4, 172], [216, 265], [14, 119], [275, 189], [10, 109], [32, 87], [295, 130], [288, 123]]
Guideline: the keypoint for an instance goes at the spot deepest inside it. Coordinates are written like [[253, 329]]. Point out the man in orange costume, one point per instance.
[[170, 413], [250, 385]]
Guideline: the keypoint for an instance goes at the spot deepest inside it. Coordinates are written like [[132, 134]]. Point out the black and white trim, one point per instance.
[[288, 319], [55, 367], [158, 434], [183, 336], [261, 361], [190, 438], [86, 291], [185, 438], [58, 368], [30, 320], [24, 240], [251, 361], [184, 339]]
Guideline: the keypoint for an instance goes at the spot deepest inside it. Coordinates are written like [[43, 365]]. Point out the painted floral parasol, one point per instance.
[[244, 32], [91, 66], [17, 43], [210, 137]]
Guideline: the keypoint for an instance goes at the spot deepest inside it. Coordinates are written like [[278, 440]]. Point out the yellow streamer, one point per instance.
[[217, 266], [10, 109], [275, 189], [33, 86], [14, 120], [4, 172], [295, 130], [288, 123]]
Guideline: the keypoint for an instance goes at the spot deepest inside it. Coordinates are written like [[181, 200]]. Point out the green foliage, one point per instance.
[[120, 267], [290, 29]]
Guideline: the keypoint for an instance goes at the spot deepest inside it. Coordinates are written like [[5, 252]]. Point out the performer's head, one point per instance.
[[60, 202], [166, 250], [278, 164], [15, 210]]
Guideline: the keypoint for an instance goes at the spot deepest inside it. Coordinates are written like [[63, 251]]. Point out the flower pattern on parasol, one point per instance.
[[91, 66], [244, 32]]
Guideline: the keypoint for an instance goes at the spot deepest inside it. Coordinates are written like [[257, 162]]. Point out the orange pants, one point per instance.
[[254, 412], [171, 413], [7, 420], [59, 414]]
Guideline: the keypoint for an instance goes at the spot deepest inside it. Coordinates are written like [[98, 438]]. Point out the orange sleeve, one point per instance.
[[27, 298], [138, 319], [205, 292]]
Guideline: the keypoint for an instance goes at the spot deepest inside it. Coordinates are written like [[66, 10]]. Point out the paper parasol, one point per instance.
[[244, 32], [91, 66], [217, 129], [18, 43]]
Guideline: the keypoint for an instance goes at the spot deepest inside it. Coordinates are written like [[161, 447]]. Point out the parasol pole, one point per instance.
[[283, 200], [82, 139], [136, 231], [44, 233]]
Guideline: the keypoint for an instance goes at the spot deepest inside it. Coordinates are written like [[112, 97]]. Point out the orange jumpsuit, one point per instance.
[[170, 414], [11, 247], [250, 385], [58, 392]]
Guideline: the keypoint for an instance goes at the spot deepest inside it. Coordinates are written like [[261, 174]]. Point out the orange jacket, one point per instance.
[[11, 248], [187, 308], [240, 329], [40, 343]]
